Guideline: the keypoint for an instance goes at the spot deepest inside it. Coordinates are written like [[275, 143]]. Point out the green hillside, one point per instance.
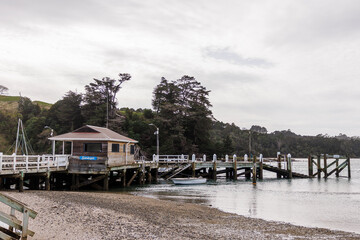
[[10, 104]]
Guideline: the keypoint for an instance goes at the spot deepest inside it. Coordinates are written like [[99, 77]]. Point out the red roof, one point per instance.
[[93, 133]]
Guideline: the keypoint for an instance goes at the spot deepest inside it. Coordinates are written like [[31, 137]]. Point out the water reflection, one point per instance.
[[332, 203]]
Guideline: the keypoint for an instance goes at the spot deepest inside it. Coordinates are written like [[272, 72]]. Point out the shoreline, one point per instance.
[[106, 215]]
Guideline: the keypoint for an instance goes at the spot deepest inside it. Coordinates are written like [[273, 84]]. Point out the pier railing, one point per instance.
[[13, 222], [32, 163], [171, 158]]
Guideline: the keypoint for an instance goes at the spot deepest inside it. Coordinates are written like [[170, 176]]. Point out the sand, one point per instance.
[[97, 215]]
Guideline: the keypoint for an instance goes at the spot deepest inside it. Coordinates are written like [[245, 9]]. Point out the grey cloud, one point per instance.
[[316, 22], [226, 54]]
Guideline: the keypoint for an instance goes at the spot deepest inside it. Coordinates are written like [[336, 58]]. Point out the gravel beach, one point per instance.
[[89, 215]]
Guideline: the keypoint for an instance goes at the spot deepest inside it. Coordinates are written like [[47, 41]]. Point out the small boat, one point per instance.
[[188, 181]]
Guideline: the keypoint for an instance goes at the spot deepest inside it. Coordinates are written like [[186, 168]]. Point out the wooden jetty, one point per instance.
[[327, 165], [99, 157]]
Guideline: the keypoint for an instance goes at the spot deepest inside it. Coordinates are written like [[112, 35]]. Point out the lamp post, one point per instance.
[[157, 139], [53, 141]]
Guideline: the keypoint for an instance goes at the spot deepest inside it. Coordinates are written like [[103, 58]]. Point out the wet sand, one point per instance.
[[88, 215]]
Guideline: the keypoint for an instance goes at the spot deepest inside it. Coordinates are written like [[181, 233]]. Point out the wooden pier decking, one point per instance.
[[70, 172]]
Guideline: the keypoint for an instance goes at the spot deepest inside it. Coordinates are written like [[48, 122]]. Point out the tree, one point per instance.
[[28, 109], [65, 115], [100, 99], [3, 89], [183, 113]]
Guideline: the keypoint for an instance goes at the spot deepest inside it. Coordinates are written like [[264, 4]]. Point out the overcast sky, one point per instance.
[[279, 64]]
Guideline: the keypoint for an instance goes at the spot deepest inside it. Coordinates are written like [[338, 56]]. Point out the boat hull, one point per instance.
[[188, 181]]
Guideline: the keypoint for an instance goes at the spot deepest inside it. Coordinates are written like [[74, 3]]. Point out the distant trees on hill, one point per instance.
[[182, 111]]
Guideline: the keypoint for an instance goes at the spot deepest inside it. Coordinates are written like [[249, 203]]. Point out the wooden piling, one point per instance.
[[278, 175], [261, 176], [325, 166], [254, 171], [106, 182], [193, 169], [289, 165], [337, 167], [310, 166], [247, 173], [348, 165], [149, 176], [123, 178], [21, 182], [234, 170], [319, 166], [214, 176], [156, 174], [47, 181]]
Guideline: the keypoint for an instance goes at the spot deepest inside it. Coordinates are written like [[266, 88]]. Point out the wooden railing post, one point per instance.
[[27, 163], [348, 165], [25, 226], [234, 168], [14, 163]]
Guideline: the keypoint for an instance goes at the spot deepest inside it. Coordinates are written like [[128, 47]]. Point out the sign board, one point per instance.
[[88, 158]]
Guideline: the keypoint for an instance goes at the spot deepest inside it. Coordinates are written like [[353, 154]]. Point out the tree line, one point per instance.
[[181, 109]]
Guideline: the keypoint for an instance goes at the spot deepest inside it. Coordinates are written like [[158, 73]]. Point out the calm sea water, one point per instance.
[[330, 203]]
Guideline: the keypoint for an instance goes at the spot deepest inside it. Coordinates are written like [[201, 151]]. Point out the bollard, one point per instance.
[[289, 165], [245, 157], [214, 158], [204, 158], [226, 158]]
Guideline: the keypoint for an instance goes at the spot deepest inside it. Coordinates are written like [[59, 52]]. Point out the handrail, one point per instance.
[[26, 163], [12, 221]]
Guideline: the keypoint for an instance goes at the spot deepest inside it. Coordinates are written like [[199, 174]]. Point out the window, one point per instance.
[[124, 148], [115, 147], [132, 149], [92, 147]]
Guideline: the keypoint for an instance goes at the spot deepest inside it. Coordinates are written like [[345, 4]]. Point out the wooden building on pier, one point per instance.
[[91, 143]]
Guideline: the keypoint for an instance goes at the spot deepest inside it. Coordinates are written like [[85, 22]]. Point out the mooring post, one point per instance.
[[310, 165], [261, 176], [234, 167], [47, 181], [21, 181], [325, 166], [349, 170], [278, 175], [319, 166], [254, 170]]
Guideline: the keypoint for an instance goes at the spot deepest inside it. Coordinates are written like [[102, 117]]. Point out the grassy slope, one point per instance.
[[10, 104]]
